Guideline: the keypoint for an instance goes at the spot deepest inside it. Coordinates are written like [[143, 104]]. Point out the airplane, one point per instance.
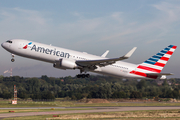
[[62, 58]]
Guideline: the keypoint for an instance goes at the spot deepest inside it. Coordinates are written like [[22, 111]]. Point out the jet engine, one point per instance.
[[65, 64]]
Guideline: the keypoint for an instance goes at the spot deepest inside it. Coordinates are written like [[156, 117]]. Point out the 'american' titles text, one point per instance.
[[50, 51]]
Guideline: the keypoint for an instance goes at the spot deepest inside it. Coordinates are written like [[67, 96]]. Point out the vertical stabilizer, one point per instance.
[[156, 63]]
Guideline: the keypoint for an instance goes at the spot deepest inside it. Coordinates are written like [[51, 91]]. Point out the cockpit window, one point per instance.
[[9, 41]]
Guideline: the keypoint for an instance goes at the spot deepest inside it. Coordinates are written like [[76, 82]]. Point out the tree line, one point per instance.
[[93, 87]]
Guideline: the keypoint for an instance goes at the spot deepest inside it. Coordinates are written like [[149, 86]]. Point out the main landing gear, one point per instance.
[[12, 60], [82, 76]]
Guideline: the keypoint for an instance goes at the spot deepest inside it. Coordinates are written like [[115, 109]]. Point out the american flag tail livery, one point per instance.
[[152, 67]]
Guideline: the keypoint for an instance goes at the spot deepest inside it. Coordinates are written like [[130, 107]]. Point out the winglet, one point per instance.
[[130, 53], [104, 55]]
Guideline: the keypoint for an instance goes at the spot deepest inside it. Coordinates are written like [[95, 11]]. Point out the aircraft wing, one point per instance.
[[104, 62]]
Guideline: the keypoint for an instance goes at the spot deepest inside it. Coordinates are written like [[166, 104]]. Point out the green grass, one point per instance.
[[6, 104], [127, 104], [41, 110], [30, 118]]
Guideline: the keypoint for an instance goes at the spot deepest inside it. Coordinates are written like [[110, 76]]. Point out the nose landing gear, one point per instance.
[[12, 60]]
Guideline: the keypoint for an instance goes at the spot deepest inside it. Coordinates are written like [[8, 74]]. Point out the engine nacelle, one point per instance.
[[65, 64]]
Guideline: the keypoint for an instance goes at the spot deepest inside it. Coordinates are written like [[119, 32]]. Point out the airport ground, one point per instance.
[[75, 109], [133, 113]]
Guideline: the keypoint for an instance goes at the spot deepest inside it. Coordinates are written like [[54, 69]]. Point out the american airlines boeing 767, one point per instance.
[[69, 59]]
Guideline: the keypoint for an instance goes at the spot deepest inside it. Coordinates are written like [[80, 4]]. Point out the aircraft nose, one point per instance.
[[2, 45]]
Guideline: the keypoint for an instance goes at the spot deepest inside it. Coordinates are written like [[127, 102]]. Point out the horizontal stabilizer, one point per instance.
[[158, 75]]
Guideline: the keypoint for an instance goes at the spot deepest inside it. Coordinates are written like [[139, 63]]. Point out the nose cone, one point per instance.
[[2, 45], [5, 45]]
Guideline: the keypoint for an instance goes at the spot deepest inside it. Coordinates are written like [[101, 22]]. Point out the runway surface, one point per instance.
[[96, 109]]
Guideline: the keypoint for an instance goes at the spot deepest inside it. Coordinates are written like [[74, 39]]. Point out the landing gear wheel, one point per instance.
[[87, 75], [78, 76], [82, 76], [12, 60]]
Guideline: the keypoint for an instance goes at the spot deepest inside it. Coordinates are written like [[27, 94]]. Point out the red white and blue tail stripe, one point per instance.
[[155, 64]]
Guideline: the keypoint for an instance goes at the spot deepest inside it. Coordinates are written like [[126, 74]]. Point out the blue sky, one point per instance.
[[92, 26]]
